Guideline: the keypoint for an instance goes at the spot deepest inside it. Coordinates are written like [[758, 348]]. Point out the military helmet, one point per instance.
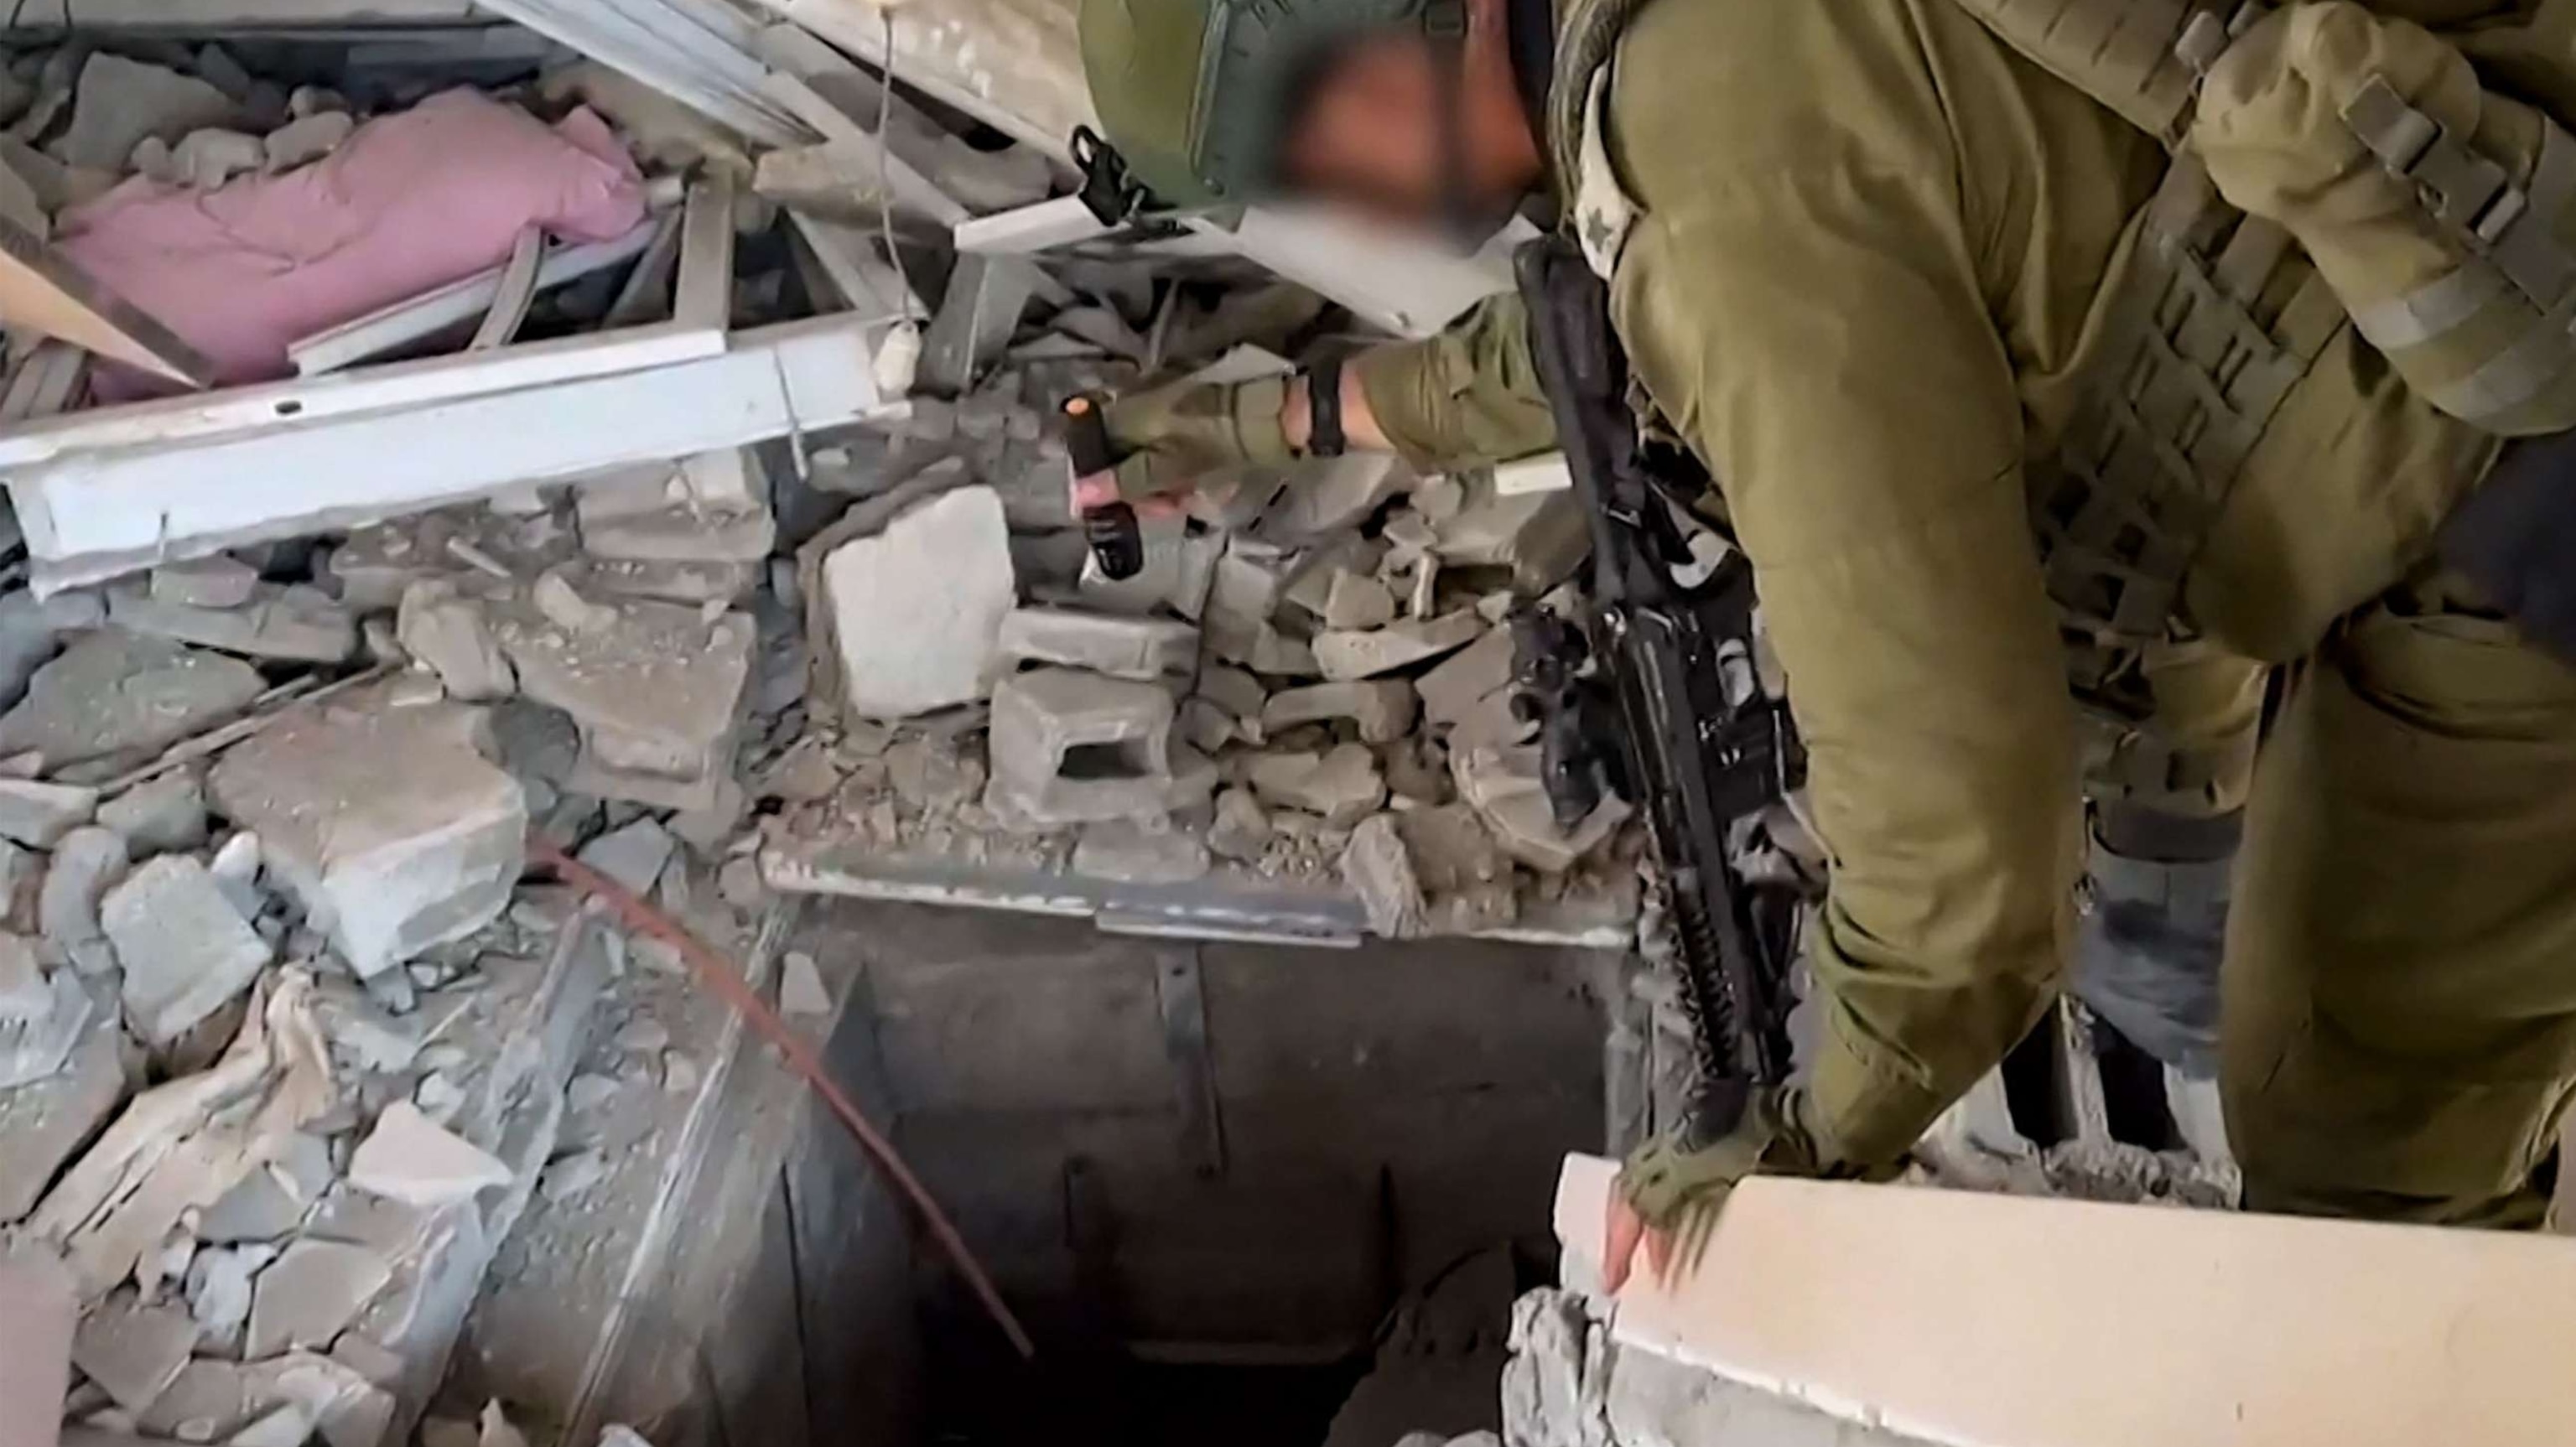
[[1197, 94]]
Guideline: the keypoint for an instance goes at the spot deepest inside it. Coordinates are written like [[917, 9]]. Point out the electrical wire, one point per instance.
[[722, 979], [885, 165]]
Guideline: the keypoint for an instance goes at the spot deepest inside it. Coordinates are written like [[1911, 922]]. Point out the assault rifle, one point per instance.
[[1654, 695]]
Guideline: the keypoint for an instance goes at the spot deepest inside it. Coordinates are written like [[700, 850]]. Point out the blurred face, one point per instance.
[[1370, 132]]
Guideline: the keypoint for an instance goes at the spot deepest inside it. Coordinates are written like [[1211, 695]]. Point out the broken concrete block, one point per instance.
[[1232, 689], [206, 159], [1504, 788], [801, 990], [45, 1121], [412, 1159], [39, 815], [1249, 581], [1383, 709], [1142, 648], [134, 1351], [1326, 496], [981, 308], [1356, 600], [219, 1293], [25, 998], [452, 634], [1466, 678], [633, 856], [386, 822], [1069, 747], [310, 1293], [1241, 831], [216, 581], [303, 141], [30, 633], [916, 611], [656, 693], [165, 815], [185, 949], [1541, 536], [121, 102], [236, 867], [293, 623], [84, 865], [1379, 869], [1348, 655], [1461, 868], [271, 1201], [38, 1048], [684, 534], [1344, 785], [1139, 853], [1208, 727], [115, 691]]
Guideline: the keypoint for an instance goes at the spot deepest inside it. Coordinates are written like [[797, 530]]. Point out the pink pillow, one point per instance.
[[407, 204]]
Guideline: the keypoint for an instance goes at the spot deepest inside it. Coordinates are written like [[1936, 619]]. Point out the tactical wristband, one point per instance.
[[1324, 435]]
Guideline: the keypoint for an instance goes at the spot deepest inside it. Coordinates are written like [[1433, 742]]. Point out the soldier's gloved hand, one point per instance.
[[1176, 434], [1669, 1193]]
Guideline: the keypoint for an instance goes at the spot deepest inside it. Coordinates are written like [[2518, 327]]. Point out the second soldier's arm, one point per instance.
[[1799, 293]]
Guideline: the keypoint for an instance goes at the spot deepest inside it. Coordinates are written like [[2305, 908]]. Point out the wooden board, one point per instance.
[[41, 290]]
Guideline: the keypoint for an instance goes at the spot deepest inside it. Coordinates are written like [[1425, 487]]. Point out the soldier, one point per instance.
[[2057, 359]]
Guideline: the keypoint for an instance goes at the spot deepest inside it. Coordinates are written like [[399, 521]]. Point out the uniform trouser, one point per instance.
[[2399, 1037]]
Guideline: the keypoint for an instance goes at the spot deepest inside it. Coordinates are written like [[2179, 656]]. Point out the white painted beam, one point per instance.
[[202, 417], [1060, 222], [704, 297], [231, 14], [96, 513], [518, 289]]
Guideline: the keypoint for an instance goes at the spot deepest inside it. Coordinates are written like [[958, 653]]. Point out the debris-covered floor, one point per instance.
[[629, 428]]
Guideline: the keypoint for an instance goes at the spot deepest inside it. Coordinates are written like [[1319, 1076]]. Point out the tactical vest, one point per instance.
[[2213, 316]]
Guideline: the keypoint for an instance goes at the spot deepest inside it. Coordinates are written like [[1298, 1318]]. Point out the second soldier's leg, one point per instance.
[[2399, 1023]]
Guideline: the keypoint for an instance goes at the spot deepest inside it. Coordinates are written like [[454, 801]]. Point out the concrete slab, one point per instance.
[[185, 950], [916, 611]]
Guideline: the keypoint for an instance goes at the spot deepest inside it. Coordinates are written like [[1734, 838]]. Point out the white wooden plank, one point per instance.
[[94, 514], [518, 288], [389, 327], [204, 417], [647, 293], [705, 294], [848, 256], [1059, 222], [616, 42], [230, 14]]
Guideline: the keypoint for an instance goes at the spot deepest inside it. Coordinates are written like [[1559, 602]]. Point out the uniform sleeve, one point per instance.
[[1801, 302], [1466, 396]]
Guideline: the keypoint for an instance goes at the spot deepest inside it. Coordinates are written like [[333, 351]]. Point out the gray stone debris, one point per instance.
[[633, 856], [1330, 495], [916, 611], [273, 1200], [39, 815], [451, 633], [1139, 853], [1344, 785], [801, 990], [1069, 747], [1356, 600], [1379, 869], [83, 866], [385, 821], [1210, 728], [294, 623], [1348, 655], [219, 1293], [132, 1350], [562, 605], [571, 1177], [114, 691], [218, 581], [310, 1293], [1461, 869], [1234, 690], [1383, 709], [655, 691], [1241, 831], [1140, 648], [121, 102], [39, 1047], [32, 632], [184, 948], [412, 1159], [236, 868], [25, 998], [165, 815], [44, 1122], [1466, 679], [1539, 536], [1504, 788]]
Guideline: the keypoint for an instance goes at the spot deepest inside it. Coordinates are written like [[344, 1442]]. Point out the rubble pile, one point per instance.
[[749, 557]]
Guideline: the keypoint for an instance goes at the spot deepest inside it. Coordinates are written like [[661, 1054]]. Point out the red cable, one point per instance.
[[718, 974]]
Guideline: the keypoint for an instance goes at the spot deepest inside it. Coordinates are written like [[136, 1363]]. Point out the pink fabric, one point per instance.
[[409, 203]]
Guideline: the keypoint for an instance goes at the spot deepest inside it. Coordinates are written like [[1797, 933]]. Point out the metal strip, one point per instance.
[[2514, 377], [1182, 993]]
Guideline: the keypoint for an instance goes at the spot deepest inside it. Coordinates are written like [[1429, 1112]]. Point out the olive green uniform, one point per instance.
[[1876, 259]]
